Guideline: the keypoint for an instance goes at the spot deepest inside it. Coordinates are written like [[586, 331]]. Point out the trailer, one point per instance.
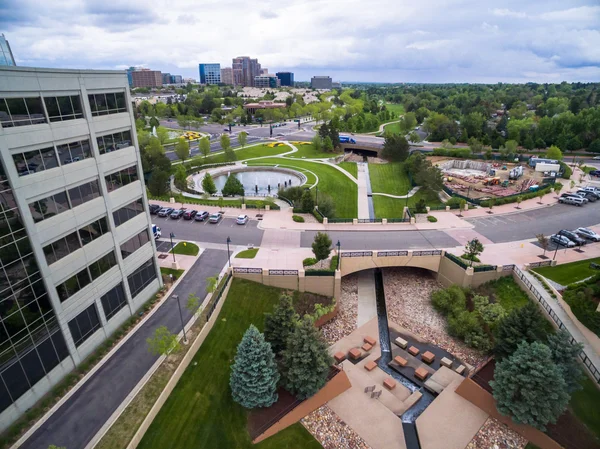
[[516, 173], [347, 139]]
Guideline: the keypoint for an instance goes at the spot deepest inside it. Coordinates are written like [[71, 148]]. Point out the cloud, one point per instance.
[[379, 40]]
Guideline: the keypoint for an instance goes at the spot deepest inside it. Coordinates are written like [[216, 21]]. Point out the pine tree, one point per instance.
[[529, 387], [524, 324], [321, 246], [565, 357], [305, 361], [208, 184], [280, 324], [233, 186], [254, 375]]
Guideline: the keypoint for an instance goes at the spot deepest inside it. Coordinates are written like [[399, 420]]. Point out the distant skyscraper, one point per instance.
[[166, 78], [210, 73], [321, 82], [266, 80], [227, 76], [147, 78], [6, 56], [286, 78], [244, 70], [264, 71], [129, 71]]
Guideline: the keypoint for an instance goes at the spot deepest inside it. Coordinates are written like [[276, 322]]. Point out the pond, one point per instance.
[[262, 181]]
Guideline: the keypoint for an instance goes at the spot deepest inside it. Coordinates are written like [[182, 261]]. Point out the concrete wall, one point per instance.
[[473, 393], [332, 389], [353, 264], [321, 285], [451, 273]]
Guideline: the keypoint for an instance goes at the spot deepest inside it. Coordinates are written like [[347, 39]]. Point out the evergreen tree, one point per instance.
[[529, 387], [395, 148], [233, 186], [280, 324], [321, 246], [158, 183], [208, 184], [308, 202], [524, 324], [254, 375], [305, 361], [182, 149], [565, 357]]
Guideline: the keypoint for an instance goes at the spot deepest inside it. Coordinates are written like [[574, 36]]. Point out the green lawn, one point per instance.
[[567, 273], [350, 167], [186, 249], [586, 405], [506, 292], [246, 153], [176, 273], [342, 190], [386, 207], [200, 412], [247, 254], [393, 128], [395, 107], [309, 152], [389, 178]]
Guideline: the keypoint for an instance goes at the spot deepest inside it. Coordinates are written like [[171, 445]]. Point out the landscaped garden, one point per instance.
[[242, 154], [350, 167], [186, 249], [308, 151], [247, 254], [387, 207], [569, 273], [389, 178]]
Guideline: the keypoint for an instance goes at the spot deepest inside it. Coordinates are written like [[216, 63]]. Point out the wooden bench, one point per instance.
[[354, 353], [339, 357], [421, 373], [389, 383], [414, 351], [401, 342], [428, 357], [370, 365], [370, 340], [446, 362], [400, 360]]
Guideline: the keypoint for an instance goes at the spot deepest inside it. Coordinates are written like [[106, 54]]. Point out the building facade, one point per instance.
[[147, 78], [321, 82], [6, 56], [227, 76], [285, 78], [244, 71], [77, 257], [210, 73], [267, 81]]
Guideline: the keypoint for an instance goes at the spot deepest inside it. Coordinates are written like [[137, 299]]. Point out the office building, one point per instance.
[[227, 76], [210, 73], [321, 82], [244, 71], [267, 80], [130, 76], [166, 78], [285, 78], [263, 104], [177, 79], [77, 257], [6, 56], [264, 71], [146, 78]]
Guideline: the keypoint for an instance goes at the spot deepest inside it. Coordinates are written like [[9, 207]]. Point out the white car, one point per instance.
[[215, 218], [596, 158], [588, 234], [242, 219]]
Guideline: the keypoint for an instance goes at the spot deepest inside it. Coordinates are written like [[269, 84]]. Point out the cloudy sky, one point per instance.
[[351, 40]]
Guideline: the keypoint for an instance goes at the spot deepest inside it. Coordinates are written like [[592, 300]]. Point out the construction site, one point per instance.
[[483, 180]]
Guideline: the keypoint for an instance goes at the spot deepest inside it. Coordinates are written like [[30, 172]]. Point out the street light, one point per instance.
[[339, 245], [228, 254], [181, 316], [172, 247]]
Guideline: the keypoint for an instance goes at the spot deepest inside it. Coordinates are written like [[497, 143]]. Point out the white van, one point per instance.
[[156, 232], [573, 200]]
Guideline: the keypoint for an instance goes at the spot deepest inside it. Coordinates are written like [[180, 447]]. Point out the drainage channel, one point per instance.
[[369, 191], [410, 416]]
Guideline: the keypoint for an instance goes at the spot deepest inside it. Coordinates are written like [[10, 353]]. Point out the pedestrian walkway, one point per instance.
[[365, 204], [367, 305]]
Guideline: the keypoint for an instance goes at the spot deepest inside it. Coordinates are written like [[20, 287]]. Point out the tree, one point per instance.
[[594, 146], [544, 242], [461, 204], [328, 144], [414, 137], [194, 304], [529, 387], [326, 205], [254, 375], [154, 122], [208, 184], [317, 143], [243, 138], [153, 156], [472, 249], [225, 142], [204, 145], [566, 357], [524, 324], [307, 201], [158, 183], [211, 284], [162, 342], [558, 187], [306, 361], [554, 153], [233, 186], [180, 177], [280, 324], [321, 246], [519, 201], [52, 446], [395, 148], [162, 135], [182, 149], [511, 146], [430, 178]]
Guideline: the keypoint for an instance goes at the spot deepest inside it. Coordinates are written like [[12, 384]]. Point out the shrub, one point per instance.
[[431, 219], [524, 324], [462, 323], [309, 261], [566, 170], [581, 300], [233, 186], [449, 299], [454, 202], [326, 205], [470, 257], [421, 206], [298, 218]]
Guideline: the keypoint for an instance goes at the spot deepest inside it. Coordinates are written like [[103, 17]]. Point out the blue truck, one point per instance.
[[347, 139]]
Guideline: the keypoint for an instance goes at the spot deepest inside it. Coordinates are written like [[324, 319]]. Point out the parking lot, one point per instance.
[[203, 231]]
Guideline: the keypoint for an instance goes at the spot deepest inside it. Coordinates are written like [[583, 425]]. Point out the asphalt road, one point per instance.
[[76, 422]]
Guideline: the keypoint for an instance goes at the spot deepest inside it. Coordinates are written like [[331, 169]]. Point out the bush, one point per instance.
[[463, 323], [454, 202], [581, 299], [449, 299], [470, 257], [453, 152], [513, 198], [421, 206], [326, 206], [298, 218], [233, 186], [309, 261], [431, 219], [566, 170]]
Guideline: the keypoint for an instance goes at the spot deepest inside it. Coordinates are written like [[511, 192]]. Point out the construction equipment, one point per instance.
[[516, 172], [492, 181], [505, 183]]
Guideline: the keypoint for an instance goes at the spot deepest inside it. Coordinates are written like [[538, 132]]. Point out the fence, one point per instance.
[[369, 220], [219, 295], [340, 220], [247, 270], [582, 355], [283, 272], [435, 252], [482, 268], [391, 253], [319, 273], [457, 260], [358, 254], [545, 263]]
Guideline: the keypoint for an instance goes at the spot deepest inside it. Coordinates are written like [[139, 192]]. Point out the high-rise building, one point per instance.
[[244, 70], [227, 76], [147, 78], [130, 76], [267, 80], [264, 71], [77, 254], [321, 82], [6, 56], [166, 78], [210, 73], [286, 78], [177, 79]]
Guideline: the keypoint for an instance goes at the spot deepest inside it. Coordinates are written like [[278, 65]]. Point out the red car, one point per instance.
[[189, 214]]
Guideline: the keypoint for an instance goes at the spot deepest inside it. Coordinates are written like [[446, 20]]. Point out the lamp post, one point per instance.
[[339, 245], [172, 247], [228, 254], [317, 196], [181, 316]]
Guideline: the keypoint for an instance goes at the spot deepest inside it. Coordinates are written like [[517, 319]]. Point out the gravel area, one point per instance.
[[345, 322], [495, 435], [333, 433], [308, 218], [320, 265], [407, 294]]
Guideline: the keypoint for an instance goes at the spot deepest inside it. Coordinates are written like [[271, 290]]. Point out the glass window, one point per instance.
[[110, 103], [74, 151], [121, 107], [52, 109], [84, 193], [102, 265], [48, 207], [141, 278], [62, 247], [36, 110], [84, 325], [128, 211], [94, 230], [61, 108], [21, 111], [72, 285], [113, 301], [134, 243], [112, 142], [121, 178], [76, 104], [34, 161]]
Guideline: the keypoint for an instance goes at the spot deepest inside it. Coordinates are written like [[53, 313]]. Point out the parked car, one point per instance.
[[588, 234], [561, 240], [177, 214], [165, 211], [189, 214], [573, 200], [572, 236], [575, 195], [201, 216], [154, 208], [215, 218], [595, 173], [590, 196], [596, 158], [242, 219], [591, 189]]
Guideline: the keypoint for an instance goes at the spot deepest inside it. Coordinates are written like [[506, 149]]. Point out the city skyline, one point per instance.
[[429, 42]]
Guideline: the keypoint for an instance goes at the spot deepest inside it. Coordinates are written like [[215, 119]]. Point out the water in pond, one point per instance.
[[258, 181]]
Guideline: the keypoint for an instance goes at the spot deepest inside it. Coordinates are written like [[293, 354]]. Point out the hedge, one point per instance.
[[513, 198]]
